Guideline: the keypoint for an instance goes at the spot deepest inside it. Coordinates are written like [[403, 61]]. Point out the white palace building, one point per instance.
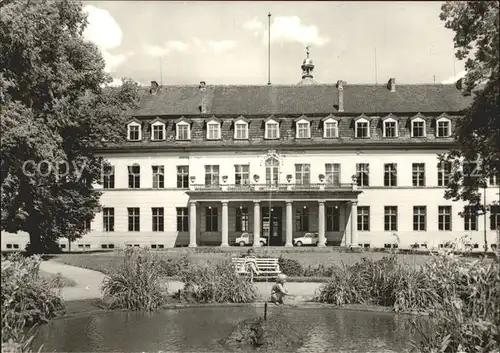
[[356, 163]]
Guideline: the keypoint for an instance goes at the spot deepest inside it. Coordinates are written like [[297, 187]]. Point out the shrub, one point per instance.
[[290, 267], [217, 283], [174, 267], [27, 299], [137, 283], [466, 316]]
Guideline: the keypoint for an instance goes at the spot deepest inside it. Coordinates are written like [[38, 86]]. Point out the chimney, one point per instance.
[[392, 84], [340, 86], [203, 92], [154, 87]]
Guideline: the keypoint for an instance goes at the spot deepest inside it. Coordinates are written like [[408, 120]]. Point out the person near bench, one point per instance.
[[250, 263], [278, 292]]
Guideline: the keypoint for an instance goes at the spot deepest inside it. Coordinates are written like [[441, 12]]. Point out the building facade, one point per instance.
[[358, 164]]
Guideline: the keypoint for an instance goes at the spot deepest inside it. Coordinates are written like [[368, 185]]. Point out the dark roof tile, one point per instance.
[[310, 99]]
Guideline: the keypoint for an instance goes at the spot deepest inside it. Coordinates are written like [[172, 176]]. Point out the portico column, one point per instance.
[[321, 224], [225, 220], [192, 224], [289, 224], [256, 224], [354, 224]]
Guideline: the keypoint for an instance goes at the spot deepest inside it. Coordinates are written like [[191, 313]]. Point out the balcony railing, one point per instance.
[[270, 187]]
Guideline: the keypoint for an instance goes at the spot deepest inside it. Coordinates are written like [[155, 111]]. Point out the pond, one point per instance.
[[200, 329]]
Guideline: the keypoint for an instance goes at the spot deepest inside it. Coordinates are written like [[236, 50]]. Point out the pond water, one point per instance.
[[200, 329]]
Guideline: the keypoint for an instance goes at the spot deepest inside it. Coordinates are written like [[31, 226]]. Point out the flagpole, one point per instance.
[[269, 49]]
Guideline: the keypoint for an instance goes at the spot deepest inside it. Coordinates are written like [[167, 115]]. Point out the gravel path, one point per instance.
[[88, 283]]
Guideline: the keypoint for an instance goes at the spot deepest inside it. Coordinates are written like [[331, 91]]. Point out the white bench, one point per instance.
[[267, 267]]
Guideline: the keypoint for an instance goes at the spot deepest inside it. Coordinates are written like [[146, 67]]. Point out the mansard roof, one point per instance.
[[301, 99]]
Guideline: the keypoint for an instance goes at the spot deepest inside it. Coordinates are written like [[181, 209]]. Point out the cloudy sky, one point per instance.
[[226, 42]]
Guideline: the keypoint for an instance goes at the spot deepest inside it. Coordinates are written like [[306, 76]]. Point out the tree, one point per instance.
[[55, 112], [476, 27]]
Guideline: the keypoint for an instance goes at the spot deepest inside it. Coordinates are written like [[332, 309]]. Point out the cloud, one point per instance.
[[221, 46], [287, 30], [453, 79], [104, 31], [166, 48], [254, 25]]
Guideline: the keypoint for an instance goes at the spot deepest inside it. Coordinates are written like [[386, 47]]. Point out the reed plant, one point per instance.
[[217, 283], [27, 300], [137, 284]]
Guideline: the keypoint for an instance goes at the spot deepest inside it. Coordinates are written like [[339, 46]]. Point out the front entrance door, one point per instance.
[[271, 226]]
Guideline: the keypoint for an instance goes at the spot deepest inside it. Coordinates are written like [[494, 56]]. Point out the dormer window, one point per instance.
[[390, 128], [418, 127], [272, 131], [330, 128], [134, 131], [158, 131], [362, 128], [303, 128], [213, 130], [443, 127], [182, 131], [241, 129]]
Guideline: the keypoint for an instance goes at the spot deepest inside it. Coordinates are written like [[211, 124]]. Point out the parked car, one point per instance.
[[307, 239], [247, 239]]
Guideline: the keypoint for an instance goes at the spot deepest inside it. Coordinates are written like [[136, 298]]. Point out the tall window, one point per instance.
[[333, 219], [242, 219], [444, 171], [470, 218], [213, 131], [134, 176], [272, 130], [390, 174], [418, 128], [444, 217], [158, 219], [331, 129], [471, 173], [183, 131], [494, 180], [419, 218], [134, 132], [363, 218], [211, 219], [272, 171], [363, 174], [108, 219], [211, 175], [158, 176], [443, 128], [158, 132], [418, 174], [108, 177], [182, 219], [303, 130], [241, 131], [390, 128], [494, 217], [88, 226], [362, 129], [302, 174], [332, 174], [133, 219], [302, 219], [242, 174], [390, 218], [182, 176]]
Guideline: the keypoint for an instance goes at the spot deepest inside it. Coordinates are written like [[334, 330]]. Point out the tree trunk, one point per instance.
[[35, 246]]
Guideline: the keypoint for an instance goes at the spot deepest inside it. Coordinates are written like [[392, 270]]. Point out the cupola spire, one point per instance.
[[307, 69]]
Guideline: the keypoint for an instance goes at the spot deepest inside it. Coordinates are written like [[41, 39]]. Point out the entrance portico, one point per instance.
[[315, 208]]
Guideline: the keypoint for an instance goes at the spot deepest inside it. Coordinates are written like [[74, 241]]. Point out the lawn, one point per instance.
[[103, 262]]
